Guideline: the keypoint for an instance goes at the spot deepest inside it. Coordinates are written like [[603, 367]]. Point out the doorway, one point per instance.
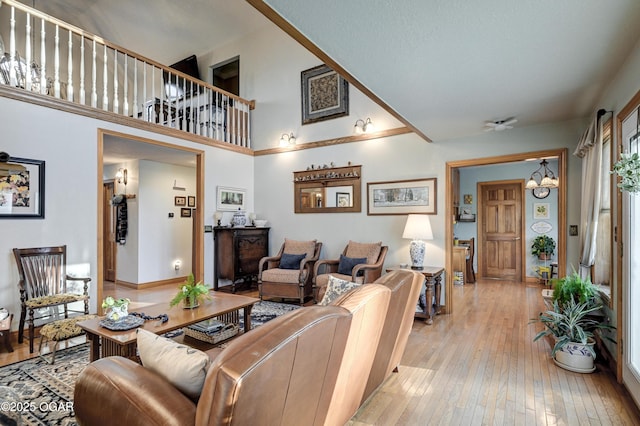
[[135, 147], [500, 213], [450, 210], [226, 75]]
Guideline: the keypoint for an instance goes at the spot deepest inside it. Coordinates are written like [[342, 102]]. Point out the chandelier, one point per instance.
[[546, 180]]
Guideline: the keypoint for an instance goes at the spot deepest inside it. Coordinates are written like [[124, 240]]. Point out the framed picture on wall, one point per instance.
[[180, 201], [325, 95], [21, 188], [185, 212], [191, 201], [230, 199], [402, 197], [541, 211]]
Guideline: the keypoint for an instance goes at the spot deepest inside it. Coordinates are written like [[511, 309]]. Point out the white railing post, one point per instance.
[[43, 59], [70, 69], [125, 96], [56, 64], [82, 58], [27, 53], [135, 87], [105, 81], [12, 48], [94, 88], [115, 82]]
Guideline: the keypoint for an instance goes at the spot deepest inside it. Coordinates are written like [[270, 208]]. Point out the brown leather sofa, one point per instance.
[[309, 367], [405, 286]]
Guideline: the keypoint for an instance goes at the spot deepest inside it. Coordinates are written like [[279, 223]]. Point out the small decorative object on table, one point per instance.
[[212, 331], [191, 293], [239, 219], [117, 309]]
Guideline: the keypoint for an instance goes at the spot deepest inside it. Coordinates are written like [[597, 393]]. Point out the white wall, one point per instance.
[[68, 145]]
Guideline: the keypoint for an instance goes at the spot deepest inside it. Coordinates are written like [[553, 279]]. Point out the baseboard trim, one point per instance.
[[150, 284]]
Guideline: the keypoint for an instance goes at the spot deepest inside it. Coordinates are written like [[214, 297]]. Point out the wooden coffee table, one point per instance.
[[105, 342]]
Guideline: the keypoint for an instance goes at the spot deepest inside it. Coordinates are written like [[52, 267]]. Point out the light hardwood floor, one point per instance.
[[476, 366]]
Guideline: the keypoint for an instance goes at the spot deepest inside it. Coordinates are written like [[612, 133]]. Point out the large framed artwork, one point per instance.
[[230, 199], [22, 189], [325, 95], [402, 197]]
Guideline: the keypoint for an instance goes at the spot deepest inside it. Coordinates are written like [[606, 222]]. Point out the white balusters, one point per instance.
[[70, 69], [82, 59], [105, 81], [43, 58], [27, 53], [115, 81], [135, 87], [12, 48], [125, 95]]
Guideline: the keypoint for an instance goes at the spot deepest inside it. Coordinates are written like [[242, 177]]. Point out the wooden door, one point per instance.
[[108, 233], [500, 233]]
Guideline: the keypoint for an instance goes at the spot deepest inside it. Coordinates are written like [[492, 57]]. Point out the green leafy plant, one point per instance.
[[543, 244], [109, 302], [628, 168], [191, 292], [572, 322], [573, 287]]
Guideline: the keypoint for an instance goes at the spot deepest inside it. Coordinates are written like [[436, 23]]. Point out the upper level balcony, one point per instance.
[[45, 56]]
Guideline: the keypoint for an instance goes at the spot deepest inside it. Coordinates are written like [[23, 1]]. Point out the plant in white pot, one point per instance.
[[572, 326]]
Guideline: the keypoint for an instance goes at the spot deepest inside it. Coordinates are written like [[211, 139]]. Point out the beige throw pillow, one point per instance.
[[183, 366], [336, 288]]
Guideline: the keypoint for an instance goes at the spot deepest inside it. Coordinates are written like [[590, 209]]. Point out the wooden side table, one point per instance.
[[5, 332], [433, 283]]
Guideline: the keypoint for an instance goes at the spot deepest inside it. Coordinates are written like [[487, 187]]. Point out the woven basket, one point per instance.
[[227, 332]]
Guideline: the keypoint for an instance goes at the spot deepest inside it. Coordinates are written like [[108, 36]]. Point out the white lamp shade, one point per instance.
[[418, 227]]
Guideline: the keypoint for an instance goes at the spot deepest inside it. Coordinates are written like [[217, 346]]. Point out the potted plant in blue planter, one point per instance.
[[543, 246]]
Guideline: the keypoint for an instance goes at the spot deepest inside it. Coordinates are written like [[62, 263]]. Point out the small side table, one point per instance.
[[5, 332], [433, 275]]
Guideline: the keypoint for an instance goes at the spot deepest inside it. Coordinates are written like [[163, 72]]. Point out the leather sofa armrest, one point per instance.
[[117, 388]]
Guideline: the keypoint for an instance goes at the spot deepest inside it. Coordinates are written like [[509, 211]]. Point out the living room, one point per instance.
[[68, 144]]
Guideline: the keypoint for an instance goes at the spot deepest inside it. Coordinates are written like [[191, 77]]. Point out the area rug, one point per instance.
[[45, 392]]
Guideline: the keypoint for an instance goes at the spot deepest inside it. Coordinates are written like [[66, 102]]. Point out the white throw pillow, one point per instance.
[[183, 366], [336, 288]]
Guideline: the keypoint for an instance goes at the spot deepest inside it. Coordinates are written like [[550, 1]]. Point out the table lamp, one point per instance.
[[418, 229]]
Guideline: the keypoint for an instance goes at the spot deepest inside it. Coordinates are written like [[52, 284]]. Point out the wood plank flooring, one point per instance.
[[477, 366]]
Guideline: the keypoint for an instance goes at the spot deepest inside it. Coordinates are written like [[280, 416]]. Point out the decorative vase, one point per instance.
[[576, 357], [190, 303], [118, 312], [239, 219]]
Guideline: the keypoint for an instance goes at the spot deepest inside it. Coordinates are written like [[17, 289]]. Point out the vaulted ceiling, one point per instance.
[[445, 66]]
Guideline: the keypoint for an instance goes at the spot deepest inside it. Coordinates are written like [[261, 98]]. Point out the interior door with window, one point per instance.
[[631, 269], [500, 230]]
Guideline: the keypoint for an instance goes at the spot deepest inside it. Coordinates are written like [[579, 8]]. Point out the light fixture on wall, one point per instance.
[[537, 179], [121, 176], [362, 126], [417, 229], [287, 139], [218, 218]]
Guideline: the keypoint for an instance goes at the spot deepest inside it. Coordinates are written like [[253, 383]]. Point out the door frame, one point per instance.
[[480, 213], [198, 217], [560, 153]]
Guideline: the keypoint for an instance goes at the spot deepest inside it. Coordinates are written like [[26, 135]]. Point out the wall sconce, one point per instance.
[[121, 176], [287, 139], [218, 217], [549, 180], [177, 264], [363, 127]]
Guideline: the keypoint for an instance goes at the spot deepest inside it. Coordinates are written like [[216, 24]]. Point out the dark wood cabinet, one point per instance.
[[238, 252]]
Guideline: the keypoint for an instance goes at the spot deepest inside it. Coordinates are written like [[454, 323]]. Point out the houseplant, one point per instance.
[[628, 168], [543, 246], [116, 309], [572, 325], [190, 293], [576, 288]]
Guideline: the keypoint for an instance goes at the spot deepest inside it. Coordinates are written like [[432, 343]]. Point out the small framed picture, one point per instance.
[[180, 201], [185, 212], [343, 199], [230, 199], [191, 201], [541, 211]]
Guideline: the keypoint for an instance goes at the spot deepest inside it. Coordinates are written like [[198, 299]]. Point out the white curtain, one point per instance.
[[590, 150]]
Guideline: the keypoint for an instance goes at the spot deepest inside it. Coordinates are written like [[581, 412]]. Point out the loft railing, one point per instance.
[[51, 57]]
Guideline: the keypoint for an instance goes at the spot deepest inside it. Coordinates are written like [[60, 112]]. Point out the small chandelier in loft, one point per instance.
[[537, 179]]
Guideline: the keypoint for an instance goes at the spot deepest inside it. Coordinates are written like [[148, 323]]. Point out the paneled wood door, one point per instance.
[[500, 233], [108, 233]]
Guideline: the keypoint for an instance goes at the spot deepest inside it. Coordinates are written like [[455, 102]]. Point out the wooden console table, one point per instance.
[[433, 283]]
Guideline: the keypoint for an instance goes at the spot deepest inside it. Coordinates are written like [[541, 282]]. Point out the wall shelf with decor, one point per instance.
[[327, 190]]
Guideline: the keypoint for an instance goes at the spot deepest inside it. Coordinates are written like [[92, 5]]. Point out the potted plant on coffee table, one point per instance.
[[190, 293], [543, 246], [116, 309]]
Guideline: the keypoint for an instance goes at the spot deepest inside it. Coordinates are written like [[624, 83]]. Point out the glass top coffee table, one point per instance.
[[105, 342]]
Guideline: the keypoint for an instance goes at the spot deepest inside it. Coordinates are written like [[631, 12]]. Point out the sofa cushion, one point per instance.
[[291, 261], [336, 288], [369, 250], [299, 247], [184, 367], [277, 275], [346, 264]]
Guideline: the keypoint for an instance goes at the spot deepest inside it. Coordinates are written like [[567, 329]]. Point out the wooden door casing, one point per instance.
[[108, 233], [500, 234]]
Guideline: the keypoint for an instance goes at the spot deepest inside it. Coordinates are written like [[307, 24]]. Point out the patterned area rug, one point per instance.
[[43, 393]]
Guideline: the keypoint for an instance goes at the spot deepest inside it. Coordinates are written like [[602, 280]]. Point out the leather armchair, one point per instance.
[[363, 273], [275, 281]]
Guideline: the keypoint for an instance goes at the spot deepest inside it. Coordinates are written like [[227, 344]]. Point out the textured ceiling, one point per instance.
[[446, 66]]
